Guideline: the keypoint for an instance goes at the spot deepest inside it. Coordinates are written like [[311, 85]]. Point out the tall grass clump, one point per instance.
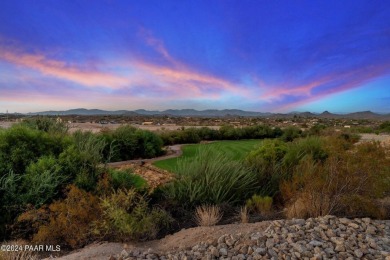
[[261, 205], [207, 215], [211, 178]]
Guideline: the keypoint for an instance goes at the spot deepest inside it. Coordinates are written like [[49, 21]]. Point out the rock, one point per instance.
[[299, 248], [371, 230], [315, 243], [330, 233], [358, 253], [272, 253], [270, 243], [223, 251], [344, 221], [353, 225], [244, 249], [221, 239], [214, 251], [340, 248], [261, 251], [299, 221], [316, 238], [124, 254]]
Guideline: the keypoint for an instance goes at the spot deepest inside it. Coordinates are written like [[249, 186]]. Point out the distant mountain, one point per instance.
[[171, 112], [82, 111], [215, 113]]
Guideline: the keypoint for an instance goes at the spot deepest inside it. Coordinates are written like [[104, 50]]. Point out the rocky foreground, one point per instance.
[[326, 237]]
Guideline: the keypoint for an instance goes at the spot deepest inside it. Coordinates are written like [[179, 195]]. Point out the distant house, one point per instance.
[[347, 126], [147, 123]]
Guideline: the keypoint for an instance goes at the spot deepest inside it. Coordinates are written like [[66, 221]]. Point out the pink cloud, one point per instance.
[[60, 69], [155, 80], [354, 79]]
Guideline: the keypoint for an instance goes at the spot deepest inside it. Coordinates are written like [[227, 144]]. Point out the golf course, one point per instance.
[[235, 150]]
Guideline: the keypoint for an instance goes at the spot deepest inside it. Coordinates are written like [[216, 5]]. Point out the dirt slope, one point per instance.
[[181, 240]]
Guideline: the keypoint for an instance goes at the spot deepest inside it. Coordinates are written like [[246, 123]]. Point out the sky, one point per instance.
[[255, 55]]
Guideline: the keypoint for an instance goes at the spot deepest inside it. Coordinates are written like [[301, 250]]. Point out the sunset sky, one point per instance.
[[269, 56]]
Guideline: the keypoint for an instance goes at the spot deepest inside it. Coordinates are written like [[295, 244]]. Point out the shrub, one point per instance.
[[207, 215], [360, 175], [267, 162], [290, 133], [126, 143], [41, 181], [126, 216], [312, 147], [125, 179], [210, 178], [19, 146], [259, 204], [66, 222], [80, 161], [46, 124]]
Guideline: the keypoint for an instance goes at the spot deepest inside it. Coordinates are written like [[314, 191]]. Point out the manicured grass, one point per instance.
[[235, 150]]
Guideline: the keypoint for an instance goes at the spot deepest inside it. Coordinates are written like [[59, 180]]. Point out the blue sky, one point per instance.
[[276, 56]]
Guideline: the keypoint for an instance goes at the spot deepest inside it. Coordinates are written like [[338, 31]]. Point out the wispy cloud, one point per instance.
[[330, 85], [134, 77], [61, 69]]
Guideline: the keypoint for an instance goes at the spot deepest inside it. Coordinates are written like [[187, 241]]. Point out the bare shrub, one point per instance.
[[18, 254], [244, 214], [207, 215], [348, 183]]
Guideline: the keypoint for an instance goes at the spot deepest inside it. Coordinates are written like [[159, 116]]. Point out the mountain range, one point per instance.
[[214, 113]]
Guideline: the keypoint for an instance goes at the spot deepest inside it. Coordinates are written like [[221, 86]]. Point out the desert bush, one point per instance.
[[290, 133], [19, 146], [41, 181], [348, 183], [385, 127], [211, 178], [267, 162], [80, 161], [46, 124], [66, 222], [259, 204], [126, 215], [125, 179], [207, 215], [39, 185], [313, 147], [126, 143]]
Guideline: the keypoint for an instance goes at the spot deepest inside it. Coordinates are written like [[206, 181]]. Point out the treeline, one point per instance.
[[227, 132]]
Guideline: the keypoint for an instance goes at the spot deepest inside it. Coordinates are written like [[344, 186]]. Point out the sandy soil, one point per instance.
[[6, 124], [383, 138], [183, 239]]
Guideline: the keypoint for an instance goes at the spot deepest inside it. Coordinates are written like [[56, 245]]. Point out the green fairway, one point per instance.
[[235, 150]]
